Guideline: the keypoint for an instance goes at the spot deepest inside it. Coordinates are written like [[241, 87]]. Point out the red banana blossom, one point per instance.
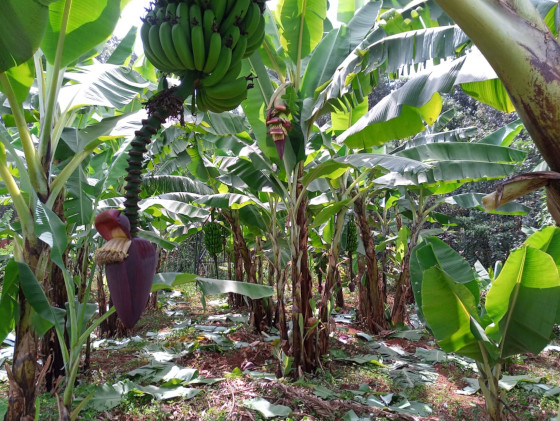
[[278, 121], [130, 265]]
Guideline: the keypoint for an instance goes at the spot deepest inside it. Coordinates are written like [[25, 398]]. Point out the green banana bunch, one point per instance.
[[209, 38], [351, 237], [213, 238]]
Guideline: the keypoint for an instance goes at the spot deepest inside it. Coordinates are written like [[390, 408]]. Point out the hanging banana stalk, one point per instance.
[[203, 43]]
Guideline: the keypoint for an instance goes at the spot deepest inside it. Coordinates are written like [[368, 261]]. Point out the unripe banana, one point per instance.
[[228, 90], [351, 237], [251, 21], [214, 50], [231, 36], [220, 105], [213, 237], [198, 48], [229, 6], [219, 8], [166, 41], [239, 51], [144, 35], [160, 15], [182, 45], [183, 15], [221, 69], [204, 105], [257, 39], [200, 101], [157, 49], [195, 15], [236, 15], [233, 72], [171, 10], [208, 26]]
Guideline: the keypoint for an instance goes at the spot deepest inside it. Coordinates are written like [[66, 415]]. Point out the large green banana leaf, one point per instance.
[[347, 9], [21, 79], [122, 54], [169, 280], [433, 252], [374, 53], [159, 184], [255, 177], [520, 307], [336, 45], [172, 207], [301, 25], [453, 164], [104, 85], [504, 135], [229, 200], [448, 308], [462, 151], [90, 22], [406, 110], [522, 302], [547, 240], [457, 135], [23, 26], [333, 168]]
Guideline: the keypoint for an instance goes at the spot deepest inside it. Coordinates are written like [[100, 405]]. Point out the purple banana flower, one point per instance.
[[130, 265]]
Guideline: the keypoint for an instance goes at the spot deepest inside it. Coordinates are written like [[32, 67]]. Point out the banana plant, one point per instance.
[[528, 70], [35, 180], [517, 316], [453, 164], [333, 73]]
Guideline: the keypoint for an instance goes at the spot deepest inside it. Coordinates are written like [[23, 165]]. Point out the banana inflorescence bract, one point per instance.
[[207, 39]]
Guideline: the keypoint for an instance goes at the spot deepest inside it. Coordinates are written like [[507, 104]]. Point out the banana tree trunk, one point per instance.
[[257, 306], [332, 284], [339, 291], [281, 323], [526, 57], [304, 345], [23, 373], [371, 291], [55, 290], [351, 283], [403, 293], [236, 300]]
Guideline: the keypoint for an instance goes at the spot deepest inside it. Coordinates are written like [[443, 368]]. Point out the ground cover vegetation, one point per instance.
[[275, 213]]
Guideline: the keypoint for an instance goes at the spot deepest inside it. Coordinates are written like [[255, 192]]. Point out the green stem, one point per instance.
[[56, 72], [65, 120], [40, 77], [24, 215], [60, 181], [36, 174], [74, 363]]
